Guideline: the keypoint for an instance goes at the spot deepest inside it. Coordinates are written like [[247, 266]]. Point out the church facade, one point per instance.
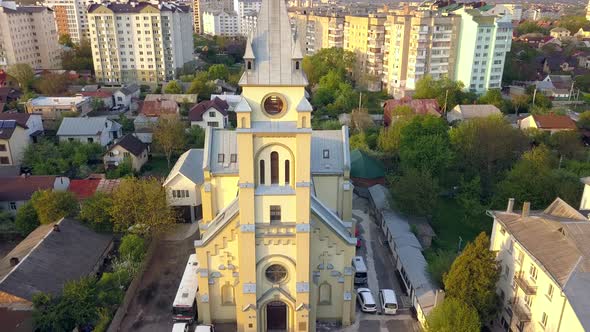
[[277, 231]]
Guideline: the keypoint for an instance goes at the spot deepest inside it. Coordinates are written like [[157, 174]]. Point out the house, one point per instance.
[[8, 95], [183, 185], [548, 122], [149, 113], [556, 86], [32, 122], [231, 99], [209, 113], [52, 109], [558, 64], [469, 112], [581, 34], [99, 130], [128, 147], [420, 107], [544, 257], [47, 259], [126, 94], [222, 86], [550, 41], [105, 95], [13, 142], [559, 33], [17, 190]]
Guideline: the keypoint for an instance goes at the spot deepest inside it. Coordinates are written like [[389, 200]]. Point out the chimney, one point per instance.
[[526, 209], [13, 261], [56, 228], [510, 207]]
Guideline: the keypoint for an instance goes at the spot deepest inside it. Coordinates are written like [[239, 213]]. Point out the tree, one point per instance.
[[173, 87], [95, 211], [470, 197], [65, 40], [583, 82], [403, 111], [140, 207], [79, 58], [23, 74], [473, 276], [439, 263], [360, 119], [318, 65], [97, 104], [520, 102], [218, 71], [126, 124], [201, 86], [453, 316], [492, 97], [169, 137], [567, 143], [195, 138], [26, 219], [389, 138], [530, 27], [573, 23], [447, 92], [51, 206], [132, 248], [416, 192], [52, 84]]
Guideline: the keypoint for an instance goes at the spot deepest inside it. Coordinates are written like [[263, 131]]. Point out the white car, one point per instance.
[[388, 301], [204, 328], [366, 300], [180, 327]]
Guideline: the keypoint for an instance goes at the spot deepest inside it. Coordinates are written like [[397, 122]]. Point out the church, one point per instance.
[[277, 230]]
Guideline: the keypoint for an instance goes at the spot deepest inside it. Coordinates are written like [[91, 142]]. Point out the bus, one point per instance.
[[184, 308], [360, 270]]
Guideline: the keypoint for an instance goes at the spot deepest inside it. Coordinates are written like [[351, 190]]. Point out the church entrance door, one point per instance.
[[276, 316]]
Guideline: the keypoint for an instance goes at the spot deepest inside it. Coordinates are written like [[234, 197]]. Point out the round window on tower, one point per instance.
[[276, 273], [274, 104]]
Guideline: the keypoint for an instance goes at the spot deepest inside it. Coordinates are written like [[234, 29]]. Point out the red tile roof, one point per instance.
[[96, 94], [83, 188], [554, 121], [20, 188], [420, 107], [158, 107]]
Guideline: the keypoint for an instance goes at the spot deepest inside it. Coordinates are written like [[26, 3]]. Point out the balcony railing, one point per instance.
[[278, 229], [524, 283], [522, 313]]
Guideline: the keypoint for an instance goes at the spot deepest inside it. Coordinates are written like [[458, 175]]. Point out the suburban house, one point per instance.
[[17, 190], [548, 122], [582, 34], [32, 122], [13, 142], [124, 96], [469, 112], [556, 86], [183, 185], [558, 63], [231, 99], [420, 107], [95, 183], [52, 109], [103, 94], [45, 261], [128, 147], [149, 113], [209, 113], [559, 32], [99, 130], [545, 267]]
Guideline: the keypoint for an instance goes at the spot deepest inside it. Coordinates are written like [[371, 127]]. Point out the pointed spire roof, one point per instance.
[[274, 49]]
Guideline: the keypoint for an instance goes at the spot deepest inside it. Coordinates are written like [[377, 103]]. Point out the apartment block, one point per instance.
[[139, 42], [71, 18], [201, 6], [247, 11], [317, 31], [545, 261], [418, 43], [483, 42], [220, 23], [28, 35], [365, 36]]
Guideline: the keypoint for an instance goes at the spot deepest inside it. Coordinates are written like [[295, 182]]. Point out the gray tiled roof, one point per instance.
[[190, 165], [222, 142], [85, 126]]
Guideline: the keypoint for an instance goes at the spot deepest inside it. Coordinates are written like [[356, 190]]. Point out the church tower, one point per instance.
[[277, 243]]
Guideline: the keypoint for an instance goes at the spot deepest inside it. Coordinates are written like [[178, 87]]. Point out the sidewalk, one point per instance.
[[179, 232]]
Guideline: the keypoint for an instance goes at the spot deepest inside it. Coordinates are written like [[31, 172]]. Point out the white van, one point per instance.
[[360, 270], [180, 327], [388, 301]]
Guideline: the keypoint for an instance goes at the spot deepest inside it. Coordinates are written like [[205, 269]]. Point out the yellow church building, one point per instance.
[[277, 232]]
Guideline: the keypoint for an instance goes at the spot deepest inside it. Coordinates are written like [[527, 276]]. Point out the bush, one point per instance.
[[439, 263], [96, 212], [132, 248], [104, 320], [51, 206], [26, 219], [453, 315]]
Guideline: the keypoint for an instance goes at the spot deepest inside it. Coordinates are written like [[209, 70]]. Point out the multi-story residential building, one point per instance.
[[588, 11], [201, 6], [514, 11], [418, 43], [545, 261], [28, 35], [248, 22], [317, 31], [483, 42], [247, 11], [365, 36], [220, 23], [71, 18], [139, 42]]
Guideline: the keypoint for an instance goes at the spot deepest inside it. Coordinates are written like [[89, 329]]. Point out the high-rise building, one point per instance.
[[418, 43], [365, 36], [220, 23], [201, 6], [277, 235], [588, 11], [139, 41], [483, 42], [71, 18], [28, 35], [317, 31], [247, 11]]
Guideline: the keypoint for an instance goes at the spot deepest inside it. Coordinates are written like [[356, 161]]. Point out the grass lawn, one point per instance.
[[157, 166]]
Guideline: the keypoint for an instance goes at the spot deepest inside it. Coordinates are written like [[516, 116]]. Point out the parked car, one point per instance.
[[366, 300], [180, 327], [204, 328], [388, 301]]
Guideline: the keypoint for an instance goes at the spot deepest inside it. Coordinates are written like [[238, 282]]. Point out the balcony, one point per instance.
[[522, 313], [524, 283]]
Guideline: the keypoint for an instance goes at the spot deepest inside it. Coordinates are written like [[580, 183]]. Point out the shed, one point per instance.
[[365, 170]]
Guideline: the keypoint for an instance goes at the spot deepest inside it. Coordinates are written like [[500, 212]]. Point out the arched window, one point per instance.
[[274, 167], [287, 172], [243, 122], [261, 168], [325, 293], [227, 294], [297, 65], [304, 122], [249, 65]]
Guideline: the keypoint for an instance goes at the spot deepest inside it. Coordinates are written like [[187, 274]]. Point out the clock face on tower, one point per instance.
[[274, 105]]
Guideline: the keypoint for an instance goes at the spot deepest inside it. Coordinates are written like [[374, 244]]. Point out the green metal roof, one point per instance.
[[364, 166]]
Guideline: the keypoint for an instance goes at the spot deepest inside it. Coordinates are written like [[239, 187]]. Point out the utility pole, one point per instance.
[[446, 97], [569, 98], [534, 95], [360, 99]]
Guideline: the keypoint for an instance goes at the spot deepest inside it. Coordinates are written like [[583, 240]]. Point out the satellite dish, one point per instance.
[[116, 152], [116, 163]]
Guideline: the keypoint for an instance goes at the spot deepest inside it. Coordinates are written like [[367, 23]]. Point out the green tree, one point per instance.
[[318, 65], [173, 87], [79, 300], [140, 207], [416, 192], [51, 206], [65, 40], [453, 316], [52, 84], [126, 124], [447, 92], [439, 263], [568, 144], [95, 211], [473, 276], [169, 137], [195, 138], [520, 102], [202, 86], [470, 198], [78, 58], [23, 74], [584, 120], [218, 71], [492, 97], [26, 219], [573, 23], [360, 120], [530, 27], [97, 104], [582, 82], [132, 248], [389, 138]]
